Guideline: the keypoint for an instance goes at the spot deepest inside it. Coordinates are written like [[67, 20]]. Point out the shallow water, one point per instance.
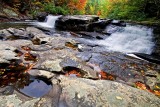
[[5, 25], [37, 88]]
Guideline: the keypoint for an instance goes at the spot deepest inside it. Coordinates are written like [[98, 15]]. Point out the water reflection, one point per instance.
[[13, 77], [37, 87]]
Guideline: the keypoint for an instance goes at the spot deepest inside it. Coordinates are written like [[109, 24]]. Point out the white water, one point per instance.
[[127, 40], [130, 39], [49, 23]]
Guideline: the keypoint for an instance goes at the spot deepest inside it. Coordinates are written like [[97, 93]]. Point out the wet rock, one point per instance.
[[85, 56], [41, 16], [99, 25], [88, 93], [111, 29], [150, 58], [75, 22], [92, 35], [156, 34], [118, 23], [97, 58], [7, 90]]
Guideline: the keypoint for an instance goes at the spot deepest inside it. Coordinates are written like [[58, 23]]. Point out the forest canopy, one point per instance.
[[117, 9]]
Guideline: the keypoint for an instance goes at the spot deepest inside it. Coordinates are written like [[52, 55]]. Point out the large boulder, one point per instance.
[[75, 22]]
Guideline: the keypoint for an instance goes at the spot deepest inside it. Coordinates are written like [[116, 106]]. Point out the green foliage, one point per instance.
[[33, 13], [115, 9], [127, 10], [50, 8]]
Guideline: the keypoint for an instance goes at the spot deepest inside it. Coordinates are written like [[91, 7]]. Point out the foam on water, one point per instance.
[[49, 23], [130, 39]]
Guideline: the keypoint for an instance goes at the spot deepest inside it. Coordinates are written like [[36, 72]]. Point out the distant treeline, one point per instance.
[[119, 9]]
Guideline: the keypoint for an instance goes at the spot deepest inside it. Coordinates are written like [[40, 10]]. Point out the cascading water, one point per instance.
[[130, 39], [49, 23]]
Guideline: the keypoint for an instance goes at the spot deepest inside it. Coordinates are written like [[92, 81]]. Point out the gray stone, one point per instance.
[[41, 73], [34, 31], [55, 55], [85, 56], [52, 65], [7, 53], [88, 93], [67, 62], [75, 22], [15, 101]]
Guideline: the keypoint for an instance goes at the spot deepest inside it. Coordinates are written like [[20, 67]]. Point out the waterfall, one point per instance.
[[130, 39], [49, 23]]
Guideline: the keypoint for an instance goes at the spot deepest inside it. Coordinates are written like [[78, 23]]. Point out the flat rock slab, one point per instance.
[[89, 93], [79, 92], [15, 101]]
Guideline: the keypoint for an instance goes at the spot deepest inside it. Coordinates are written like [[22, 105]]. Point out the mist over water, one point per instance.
[[130, 39]]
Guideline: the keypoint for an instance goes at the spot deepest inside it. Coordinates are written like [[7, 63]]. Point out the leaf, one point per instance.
[[119, 98]]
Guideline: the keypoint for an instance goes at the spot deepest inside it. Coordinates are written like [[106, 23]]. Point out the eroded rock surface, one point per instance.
[[81, 72]]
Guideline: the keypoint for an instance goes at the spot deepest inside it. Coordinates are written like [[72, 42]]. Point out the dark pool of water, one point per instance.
[[14, 76], [37, 88]]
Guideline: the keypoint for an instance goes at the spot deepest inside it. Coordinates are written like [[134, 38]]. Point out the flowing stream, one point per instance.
[[49, 23], [130, 39]]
